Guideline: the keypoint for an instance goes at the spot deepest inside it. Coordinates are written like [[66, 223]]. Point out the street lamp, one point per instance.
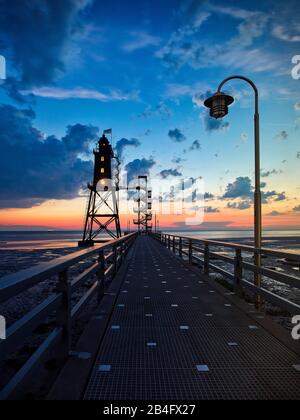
[[218, 105]]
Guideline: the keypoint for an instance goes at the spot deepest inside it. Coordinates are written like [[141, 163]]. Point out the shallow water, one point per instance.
[[40, 240], [284, 240]]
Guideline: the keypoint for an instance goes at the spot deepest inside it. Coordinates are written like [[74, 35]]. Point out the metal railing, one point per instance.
[[202, 252], [109, 255]]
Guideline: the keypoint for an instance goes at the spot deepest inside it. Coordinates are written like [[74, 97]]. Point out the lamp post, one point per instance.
[[218, 105]]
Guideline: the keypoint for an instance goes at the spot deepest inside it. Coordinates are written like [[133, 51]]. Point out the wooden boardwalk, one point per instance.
[[172, 335]]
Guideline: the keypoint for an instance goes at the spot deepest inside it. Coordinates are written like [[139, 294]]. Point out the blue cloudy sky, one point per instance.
[[76, 67]]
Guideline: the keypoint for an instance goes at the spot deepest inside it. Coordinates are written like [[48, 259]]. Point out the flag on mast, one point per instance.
[[108, 131]]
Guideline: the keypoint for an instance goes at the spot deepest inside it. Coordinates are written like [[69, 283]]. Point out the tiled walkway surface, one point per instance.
[[172, 337]]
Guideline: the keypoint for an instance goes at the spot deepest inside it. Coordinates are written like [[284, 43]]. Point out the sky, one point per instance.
[[144, 68]]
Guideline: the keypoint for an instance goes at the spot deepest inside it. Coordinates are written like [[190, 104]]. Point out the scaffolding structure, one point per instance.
[[144, 205]]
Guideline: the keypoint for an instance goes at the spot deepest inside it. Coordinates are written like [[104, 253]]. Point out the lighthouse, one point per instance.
[[102, 214], [103, 159]]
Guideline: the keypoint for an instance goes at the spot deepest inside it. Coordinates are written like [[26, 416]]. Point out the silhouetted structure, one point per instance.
[[144, 205], [102, 215]]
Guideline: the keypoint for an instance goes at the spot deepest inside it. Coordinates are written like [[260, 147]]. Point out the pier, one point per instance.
[[162, 327]]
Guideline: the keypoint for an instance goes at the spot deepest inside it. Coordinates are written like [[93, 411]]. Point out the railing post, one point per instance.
[[174, 248], [206, 259], [180, 247], [119, 253], [190, 251], [124, 249], [238, 272], [122, 252], [101, 276], [128, 244], [63, 313], [169, 241], [257, 279], [115, 259]]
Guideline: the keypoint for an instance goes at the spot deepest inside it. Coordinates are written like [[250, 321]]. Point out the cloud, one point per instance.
[[297, 209], [25, 228], [177, 90], [252, 26], [199, 98], [161, 110], [266, 174], [81, 93], [205, 225], [178, 160], [298, 155], [176, 135], [234, 12], [208, 196], [189, 46], [290, 34], [242, 205], [282, 135], [275, 213], [180, 47], [40, 36], [212, 124], [123, 143], [140, 40], [241, 187], [12, 87], [79, 137], [169, 172], [244, 137], [266, 195], [210, 209], [195, 145], [297, 106], [280, 197], [139, 167], [35, 168], [192, 10]]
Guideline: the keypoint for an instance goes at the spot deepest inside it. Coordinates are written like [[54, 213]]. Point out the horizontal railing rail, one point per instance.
[[203, 252], [109, 255]]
